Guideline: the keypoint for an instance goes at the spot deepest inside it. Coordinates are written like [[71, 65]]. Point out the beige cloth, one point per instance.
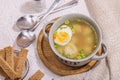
[[107, 15]]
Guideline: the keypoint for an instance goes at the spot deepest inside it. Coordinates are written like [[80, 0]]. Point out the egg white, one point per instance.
[[64, 28]]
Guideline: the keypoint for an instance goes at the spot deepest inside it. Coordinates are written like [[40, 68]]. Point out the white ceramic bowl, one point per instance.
[[80, 62]]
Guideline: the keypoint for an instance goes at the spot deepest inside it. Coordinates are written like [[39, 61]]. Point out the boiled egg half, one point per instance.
[[62, 35]]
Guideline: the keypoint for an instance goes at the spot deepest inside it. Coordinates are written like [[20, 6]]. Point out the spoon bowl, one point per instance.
[[26, 22], [25, 38]]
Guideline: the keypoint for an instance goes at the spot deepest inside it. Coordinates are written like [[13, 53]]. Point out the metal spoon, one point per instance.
[[27, 37], [29, 21], [63, 7]]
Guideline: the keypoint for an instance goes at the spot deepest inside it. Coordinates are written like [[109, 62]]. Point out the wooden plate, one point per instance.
[[52, 63]]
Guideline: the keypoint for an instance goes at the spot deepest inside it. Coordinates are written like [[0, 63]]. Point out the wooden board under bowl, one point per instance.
[[52, 63]]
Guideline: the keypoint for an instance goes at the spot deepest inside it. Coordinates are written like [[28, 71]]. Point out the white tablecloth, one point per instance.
[[11, 10]]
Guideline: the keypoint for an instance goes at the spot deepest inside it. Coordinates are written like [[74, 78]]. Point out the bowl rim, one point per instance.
[[72, 60]]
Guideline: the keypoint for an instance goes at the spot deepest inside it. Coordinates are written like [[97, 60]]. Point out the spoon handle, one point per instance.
[[62, 7], [66, 6], [53, 6]]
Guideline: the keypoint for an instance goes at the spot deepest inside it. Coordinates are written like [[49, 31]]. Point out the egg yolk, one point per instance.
[[61, 36]]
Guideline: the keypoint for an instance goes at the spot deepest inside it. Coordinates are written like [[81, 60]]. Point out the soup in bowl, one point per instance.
[[75, 39]]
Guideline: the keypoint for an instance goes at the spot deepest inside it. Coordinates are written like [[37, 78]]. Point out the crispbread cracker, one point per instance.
[[21, 61], [2, 55], [15, 63], [2, 73], [11, 67], [7, 69], [37, 75], [9, 56]]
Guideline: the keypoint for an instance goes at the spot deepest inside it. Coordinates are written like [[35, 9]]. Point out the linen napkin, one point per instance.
[[107, 14]]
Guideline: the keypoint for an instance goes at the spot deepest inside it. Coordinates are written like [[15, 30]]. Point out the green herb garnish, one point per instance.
[[79, 20], [71, 27], [67, 22], [95, 46], [73, 30], [56, 45], [66, 55], [78, 57], [81, 54], [63, 26]]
